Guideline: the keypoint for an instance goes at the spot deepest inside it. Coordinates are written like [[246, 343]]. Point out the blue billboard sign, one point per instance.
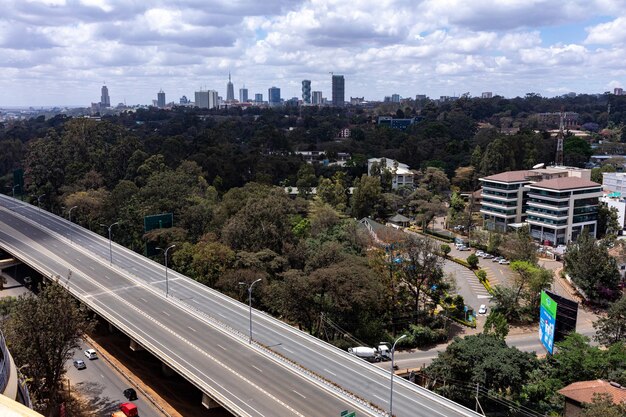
[[547, 322]]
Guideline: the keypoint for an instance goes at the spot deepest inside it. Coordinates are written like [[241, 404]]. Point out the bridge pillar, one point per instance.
[[209, 402], [134, 346], [112, 328], [167, 371]]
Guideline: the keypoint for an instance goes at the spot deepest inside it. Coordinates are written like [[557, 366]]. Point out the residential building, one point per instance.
[[618, 91], [614, 182], [273, 96], [401, 174], [557, 203], [306, 91], [243, 95], [258, 98], [230, 90], [105, 100], [356, 101], [579, 394], [553, 119], [419, 97], [339, 90], [161, 99], [486, 94], [317, 97]]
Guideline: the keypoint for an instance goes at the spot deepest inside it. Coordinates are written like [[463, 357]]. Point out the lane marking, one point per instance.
[[258, 369], [143, 299], [298, 393], [380, 398], [191, 328], [288, 350], [166, 313], [221, 347], [330, 372]]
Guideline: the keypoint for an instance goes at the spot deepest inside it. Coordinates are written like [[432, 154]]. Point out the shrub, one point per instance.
[[472, 260]]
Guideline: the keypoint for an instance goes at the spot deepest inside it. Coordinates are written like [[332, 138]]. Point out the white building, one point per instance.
[[402, 175], [557, 203]]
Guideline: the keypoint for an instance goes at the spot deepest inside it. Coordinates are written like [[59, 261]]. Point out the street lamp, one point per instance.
[[393, 349], [13, 190], [165, 255], [250, 302], [70, 217], [39, 202], [110, 248]]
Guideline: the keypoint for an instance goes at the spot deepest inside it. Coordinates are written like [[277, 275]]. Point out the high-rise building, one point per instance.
[[207, 99], [243, 95], [161, 99], [339, 91], [273, 96], [258, 98], [230, 90], [486, 94], [395, 98], [618, 91], [306, 91], [105, 100], [214, 99], [184, 100], [317, 97]]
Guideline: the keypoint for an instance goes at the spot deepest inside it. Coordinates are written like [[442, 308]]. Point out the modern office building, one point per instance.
[[306, 91], [207, 99], [614, 182], [243, 95], [273, 96], [401, 174], [105, 100], [258, 98], [230, 90], [395, 98], [557, 203], [317, 97], [618, 91], [339, 90], [161, 99]]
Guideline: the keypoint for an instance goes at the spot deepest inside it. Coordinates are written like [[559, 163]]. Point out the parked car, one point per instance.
[[480, 253], [130, 394], [504, 262], [488, 256], [91, 354], [482, 309], [463, 248], [79, 364]]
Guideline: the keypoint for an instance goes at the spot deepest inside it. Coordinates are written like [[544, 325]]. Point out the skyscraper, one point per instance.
[[317, 97], [258, 98], [230, 90], [214, 100], [105, 101], [339, 91], [395, 98], [306, 91], [161, 99], [243, 95], [273, 96], [206, 99]]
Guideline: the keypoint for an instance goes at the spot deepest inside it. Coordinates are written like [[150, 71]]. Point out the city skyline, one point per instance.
[[57, 52]]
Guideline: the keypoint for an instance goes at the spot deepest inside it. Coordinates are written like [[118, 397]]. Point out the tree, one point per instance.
[[445, 249], [608, 223], [519, 246], [43, 332], [496, 325], [576, 151], [612, 328], [472, 260], [306, 179], [366, 197], [593, 269], [602, 405]]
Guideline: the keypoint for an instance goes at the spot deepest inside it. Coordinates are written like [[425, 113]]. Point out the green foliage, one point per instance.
[[592, 269], [519, 246], [366, 198], [496, 325], [604, 406], [612, 328], [608, 223], [472, 260], [445, 249]]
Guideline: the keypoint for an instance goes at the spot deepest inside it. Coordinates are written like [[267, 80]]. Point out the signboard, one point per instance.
[[18, 180], [547, 321], [157, 221], [347, 413], [566, 316]]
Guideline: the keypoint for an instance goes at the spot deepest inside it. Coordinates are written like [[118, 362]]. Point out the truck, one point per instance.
[[126, 410], [377, 354]]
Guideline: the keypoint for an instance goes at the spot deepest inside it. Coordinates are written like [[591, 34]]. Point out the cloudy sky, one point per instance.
[[59, 52]]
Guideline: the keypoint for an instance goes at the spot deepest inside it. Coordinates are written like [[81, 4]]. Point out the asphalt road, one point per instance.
[[196, 329]]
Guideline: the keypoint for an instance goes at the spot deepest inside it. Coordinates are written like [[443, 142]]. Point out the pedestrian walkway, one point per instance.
[[477, 287]]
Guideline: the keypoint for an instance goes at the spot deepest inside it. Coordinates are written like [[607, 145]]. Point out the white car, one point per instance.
[[463, 248], [91, 354], [482, 309], [504, 262], [480, 253]]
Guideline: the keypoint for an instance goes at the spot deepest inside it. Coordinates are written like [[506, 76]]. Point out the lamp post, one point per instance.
[[250, 303], [110, 248], [13, 190], [165, 255], [393, 349], [70, 217], [39, 202]]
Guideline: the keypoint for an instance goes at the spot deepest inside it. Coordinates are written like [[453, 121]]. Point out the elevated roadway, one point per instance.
[[202, 334]]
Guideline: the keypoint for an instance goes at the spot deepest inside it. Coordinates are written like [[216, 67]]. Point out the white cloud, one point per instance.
[[607, 33]]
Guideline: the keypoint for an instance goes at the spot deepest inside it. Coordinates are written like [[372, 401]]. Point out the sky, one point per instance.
[[60, 52]]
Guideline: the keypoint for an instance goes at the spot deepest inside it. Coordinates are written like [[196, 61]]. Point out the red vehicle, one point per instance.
[[126, 410]]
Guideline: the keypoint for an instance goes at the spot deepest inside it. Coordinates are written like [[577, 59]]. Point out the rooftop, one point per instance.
[[565, 183], [509, 176], [583, 391]]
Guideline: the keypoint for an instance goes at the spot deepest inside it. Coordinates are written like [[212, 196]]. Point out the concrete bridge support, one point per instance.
[[209, 402], [135, 347]]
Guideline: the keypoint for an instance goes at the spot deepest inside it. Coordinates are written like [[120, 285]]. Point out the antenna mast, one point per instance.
[[559, 140]]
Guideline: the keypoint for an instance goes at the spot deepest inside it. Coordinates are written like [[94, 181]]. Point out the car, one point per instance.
[[488, 256], [79, 364], [480, 253], [91, 354], [130, 394], [482, 309], [504, 262], [463, 248]]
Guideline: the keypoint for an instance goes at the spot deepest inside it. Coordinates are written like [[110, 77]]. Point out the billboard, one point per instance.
[[157, 221], [547, 321], [566, 316]]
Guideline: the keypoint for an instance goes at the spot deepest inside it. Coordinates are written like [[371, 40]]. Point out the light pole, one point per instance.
[[39, 202], [13, 190], [393, 349], [165, 255], [250, 302], [110, 248], [70, 217]]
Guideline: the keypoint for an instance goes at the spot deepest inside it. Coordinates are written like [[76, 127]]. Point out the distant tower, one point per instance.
[[306, 91], [559, 141], [230, 90], [273, 96], [339, 90], [161, 99], [243, 95], [105, 101], [317, 97]]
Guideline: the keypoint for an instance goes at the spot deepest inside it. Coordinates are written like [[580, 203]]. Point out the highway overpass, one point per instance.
[[202, 334]]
